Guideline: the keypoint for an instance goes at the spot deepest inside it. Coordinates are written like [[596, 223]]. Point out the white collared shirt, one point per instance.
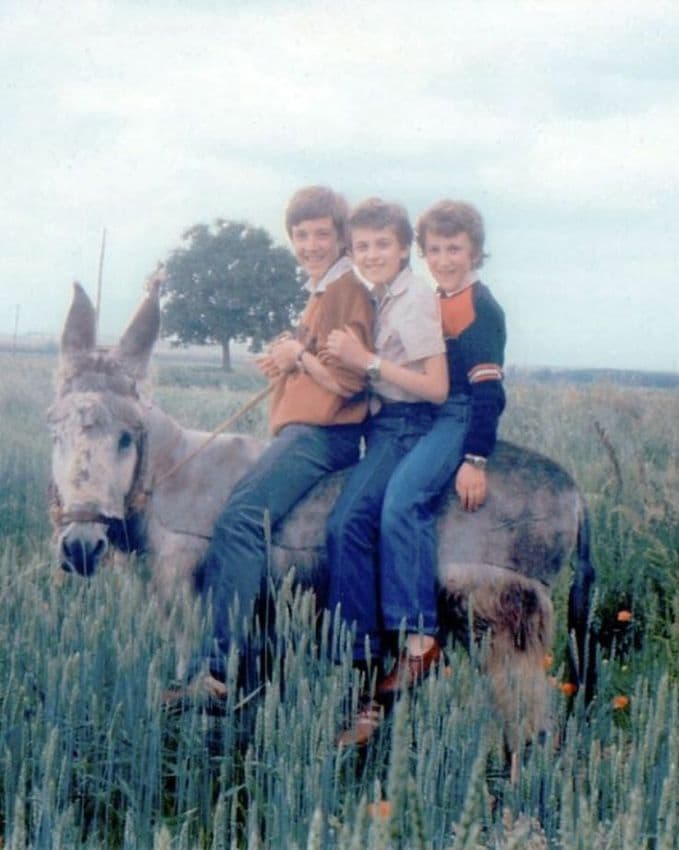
[[407, 329], [336, 270]]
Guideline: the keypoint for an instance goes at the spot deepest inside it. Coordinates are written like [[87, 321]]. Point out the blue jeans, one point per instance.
[[353, 530], [408, 538], [382, 543], [235, 564]]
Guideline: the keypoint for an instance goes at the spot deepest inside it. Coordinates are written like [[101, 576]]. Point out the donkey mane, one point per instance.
[[95, 371], [95, 410]]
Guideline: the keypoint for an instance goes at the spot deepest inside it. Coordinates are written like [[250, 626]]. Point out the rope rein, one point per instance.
[[225, 425]]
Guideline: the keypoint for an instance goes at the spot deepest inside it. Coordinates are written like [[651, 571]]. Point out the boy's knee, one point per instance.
[[397, 509], [239, 516]]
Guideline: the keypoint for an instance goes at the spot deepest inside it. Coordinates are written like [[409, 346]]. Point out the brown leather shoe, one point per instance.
[[409, 670], [366, 722], [203, 690]]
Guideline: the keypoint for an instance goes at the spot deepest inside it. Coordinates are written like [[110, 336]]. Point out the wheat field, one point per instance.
[[89, 760]]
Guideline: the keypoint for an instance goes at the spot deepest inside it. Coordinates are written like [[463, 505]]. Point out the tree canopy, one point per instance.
[[229, 282]]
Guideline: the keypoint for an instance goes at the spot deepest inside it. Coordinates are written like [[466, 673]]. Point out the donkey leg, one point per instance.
[[515, 613], [520, 618]]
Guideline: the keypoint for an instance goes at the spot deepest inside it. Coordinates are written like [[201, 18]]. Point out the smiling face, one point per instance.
[[451, 260], [378, 254], [316, 245]]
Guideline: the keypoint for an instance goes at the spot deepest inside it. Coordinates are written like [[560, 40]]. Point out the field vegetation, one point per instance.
[[89, 760]]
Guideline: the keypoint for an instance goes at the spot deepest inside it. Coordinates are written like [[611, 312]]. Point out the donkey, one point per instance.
[[118, 483]]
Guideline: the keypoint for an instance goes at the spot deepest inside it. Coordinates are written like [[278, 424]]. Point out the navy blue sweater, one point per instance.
[[474, 330]]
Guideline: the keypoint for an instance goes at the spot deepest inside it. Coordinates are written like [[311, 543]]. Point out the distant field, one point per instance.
[[619, 377], [241, 357], [88, 760]]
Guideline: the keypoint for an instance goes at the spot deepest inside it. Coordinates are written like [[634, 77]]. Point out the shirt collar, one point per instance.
[[443, 294], [341, 267], [397, 287]]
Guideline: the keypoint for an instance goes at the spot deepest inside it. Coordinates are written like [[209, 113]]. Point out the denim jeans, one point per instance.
[[408, 543], [234, 567], [353, 531], [382, 542]]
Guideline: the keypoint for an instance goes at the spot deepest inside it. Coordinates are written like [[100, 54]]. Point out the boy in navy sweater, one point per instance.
[[450, 235]]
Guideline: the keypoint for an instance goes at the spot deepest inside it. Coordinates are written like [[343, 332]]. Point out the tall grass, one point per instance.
[[25, 392], [88, 758]]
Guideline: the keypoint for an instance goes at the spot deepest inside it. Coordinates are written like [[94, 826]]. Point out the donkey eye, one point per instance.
[[124, 441]]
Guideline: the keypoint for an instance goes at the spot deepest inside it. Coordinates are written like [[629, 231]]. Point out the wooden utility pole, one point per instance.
[[99, 279], [17, 311]]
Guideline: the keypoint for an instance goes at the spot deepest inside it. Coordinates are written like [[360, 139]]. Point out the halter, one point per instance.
[[135, 500], [138, 495]]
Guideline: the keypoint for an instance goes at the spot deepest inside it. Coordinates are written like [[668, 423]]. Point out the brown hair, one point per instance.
[[376, 214], [318, 202], [448, 218]]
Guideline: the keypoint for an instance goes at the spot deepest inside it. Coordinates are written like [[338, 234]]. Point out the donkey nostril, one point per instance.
[[82, 556]]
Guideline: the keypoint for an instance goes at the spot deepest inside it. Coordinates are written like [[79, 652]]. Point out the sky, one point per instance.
[[558, 120]]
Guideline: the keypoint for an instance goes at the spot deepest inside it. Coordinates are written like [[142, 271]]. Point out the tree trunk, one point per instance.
[[226, 356]]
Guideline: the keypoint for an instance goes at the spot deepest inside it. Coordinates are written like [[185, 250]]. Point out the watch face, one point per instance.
[[373, 371]]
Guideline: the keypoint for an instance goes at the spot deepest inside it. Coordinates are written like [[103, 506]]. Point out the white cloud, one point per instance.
[[146, 119]]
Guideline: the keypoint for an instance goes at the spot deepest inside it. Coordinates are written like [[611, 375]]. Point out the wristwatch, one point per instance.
[[477, 461], [372, 370]]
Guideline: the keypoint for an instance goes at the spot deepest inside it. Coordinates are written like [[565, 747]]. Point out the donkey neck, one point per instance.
[[189, 476]]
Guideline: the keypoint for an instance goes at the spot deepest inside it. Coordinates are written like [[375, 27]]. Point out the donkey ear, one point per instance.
[[137, 341], [80, 328]]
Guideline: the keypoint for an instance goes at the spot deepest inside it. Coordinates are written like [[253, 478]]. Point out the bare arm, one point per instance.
[[430, 385]]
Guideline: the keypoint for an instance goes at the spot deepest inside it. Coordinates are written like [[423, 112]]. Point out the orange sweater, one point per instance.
[[297, 397]]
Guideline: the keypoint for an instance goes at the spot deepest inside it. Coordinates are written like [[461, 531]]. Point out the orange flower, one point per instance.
[[620, 701], [547, 661], [569, 688], [624, 616], [380, 810]]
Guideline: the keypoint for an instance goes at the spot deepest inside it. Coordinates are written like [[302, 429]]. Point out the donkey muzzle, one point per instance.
[[82, 545]]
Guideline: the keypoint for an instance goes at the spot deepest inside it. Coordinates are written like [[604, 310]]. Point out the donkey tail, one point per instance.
[[581, 645]]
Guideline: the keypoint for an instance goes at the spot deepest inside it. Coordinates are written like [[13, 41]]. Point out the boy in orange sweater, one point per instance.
[[316, 412]]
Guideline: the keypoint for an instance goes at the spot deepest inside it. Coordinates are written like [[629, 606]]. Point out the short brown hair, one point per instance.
[[318, 202], [376, 214], [447, 218]]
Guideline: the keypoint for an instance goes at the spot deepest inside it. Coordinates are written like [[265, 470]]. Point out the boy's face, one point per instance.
[[316, 245], [450, 259], [378, 254]]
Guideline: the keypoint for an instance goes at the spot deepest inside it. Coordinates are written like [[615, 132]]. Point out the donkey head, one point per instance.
[[97, 424]]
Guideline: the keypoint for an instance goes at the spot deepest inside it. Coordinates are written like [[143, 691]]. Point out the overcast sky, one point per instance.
[[558, 119]]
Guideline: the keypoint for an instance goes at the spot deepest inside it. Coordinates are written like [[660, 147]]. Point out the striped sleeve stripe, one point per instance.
[[485, 372]]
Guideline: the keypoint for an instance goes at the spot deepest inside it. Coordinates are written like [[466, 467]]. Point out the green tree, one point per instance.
[[229, 282]]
